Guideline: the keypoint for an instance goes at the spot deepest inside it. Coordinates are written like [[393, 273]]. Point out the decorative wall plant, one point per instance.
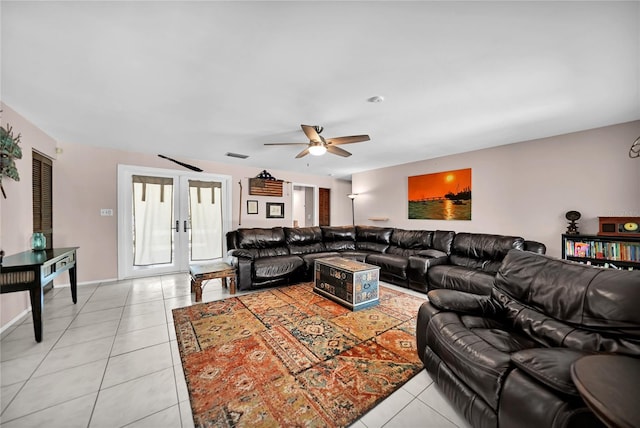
[[9, 151]]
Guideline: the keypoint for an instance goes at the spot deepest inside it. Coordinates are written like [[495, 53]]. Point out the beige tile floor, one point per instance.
[[112, 360]]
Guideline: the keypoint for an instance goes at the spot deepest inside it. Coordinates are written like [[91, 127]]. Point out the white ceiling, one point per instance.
[[200, 79]]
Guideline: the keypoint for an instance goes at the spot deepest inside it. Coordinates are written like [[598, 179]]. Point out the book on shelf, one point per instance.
[[582, 249], [606, 250]]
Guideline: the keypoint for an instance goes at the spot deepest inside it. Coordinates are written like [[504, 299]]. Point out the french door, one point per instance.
[[168, 220]]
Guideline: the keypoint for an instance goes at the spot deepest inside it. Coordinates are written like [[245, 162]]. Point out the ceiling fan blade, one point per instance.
[[311, 133], [303, 153], [286, 144], [348, 140], [337, 151]]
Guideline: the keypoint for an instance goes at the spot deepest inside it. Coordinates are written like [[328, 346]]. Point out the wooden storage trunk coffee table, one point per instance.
[[200, 273], [351, 283]]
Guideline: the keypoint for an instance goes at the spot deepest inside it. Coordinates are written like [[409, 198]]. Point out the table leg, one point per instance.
[[197, 287], [35, 293], [73, 279], [232, 284]]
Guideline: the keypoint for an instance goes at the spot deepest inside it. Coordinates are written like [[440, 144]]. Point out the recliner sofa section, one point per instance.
[[280, 255], [474, 261], [262, 258], [424, 246], [504, 359]]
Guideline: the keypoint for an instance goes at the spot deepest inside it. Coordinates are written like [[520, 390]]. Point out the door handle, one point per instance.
[[177, 225], [185, 225]]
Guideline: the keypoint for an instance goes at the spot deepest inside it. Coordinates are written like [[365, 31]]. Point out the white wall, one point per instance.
[[522, 189]]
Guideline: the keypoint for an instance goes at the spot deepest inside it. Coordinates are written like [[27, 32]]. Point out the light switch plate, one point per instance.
[[106, 212]]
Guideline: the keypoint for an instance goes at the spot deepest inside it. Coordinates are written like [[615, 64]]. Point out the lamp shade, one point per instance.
[[317, 150], [352, 195]]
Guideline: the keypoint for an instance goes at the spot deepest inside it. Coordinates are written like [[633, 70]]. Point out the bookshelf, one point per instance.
[[607, 251]]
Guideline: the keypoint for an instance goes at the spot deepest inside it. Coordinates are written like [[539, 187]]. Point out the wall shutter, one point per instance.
[[42, 191]]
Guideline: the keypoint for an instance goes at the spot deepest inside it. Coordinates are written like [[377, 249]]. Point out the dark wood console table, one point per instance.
[[31, 271]]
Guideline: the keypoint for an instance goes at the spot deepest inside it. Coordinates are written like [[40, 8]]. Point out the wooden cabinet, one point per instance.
[[606, 251]]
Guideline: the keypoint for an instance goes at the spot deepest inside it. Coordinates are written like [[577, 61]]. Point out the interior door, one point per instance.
[[168, 220], [324, 207]]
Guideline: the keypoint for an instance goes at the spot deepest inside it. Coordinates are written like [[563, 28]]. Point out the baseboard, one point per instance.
[[15, 320], [68, 284]]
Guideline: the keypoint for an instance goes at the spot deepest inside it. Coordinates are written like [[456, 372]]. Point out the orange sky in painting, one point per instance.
[[438, 184]]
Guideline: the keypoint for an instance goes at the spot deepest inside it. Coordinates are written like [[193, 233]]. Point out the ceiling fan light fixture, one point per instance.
[[317, 150]]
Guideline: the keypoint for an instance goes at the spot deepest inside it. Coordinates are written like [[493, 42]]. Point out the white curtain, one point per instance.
[[205, 212], [152, 220]]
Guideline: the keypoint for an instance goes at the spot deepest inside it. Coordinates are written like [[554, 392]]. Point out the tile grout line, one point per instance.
[[95, 402], [44, 358]]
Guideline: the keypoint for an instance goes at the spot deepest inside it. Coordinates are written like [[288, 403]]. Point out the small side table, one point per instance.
[[610, 385], [200, 273]]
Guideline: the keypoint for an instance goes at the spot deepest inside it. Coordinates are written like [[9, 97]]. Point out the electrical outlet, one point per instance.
[[106, 212]]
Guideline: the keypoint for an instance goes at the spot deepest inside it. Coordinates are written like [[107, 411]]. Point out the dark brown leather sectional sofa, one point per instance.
[[419, 259], [504, 359]]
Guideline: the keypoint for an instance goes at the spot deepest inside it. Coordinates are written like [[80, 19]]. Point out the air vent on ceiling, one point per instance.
[[237, 155]]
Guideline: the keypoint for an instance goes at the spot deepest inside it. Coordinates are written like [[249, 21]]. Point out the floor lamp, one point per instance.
[[352, 196]]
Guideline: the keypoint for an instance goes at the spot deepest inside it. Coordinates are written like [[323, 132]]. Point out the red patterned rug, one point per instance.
[[289, 357]]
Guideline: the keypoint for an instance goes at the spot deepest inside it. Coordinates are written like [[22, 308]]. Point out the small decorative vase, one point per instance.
[[38, 241]]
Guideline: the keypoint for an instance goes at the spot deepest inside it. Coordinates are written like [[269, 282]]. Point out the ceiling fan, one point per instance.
[[318, 145]]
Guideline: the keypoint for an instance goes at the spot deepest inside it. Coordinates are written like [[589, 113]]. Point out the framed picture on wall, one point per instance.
[[275, 210], [440, 196], [252, 207]]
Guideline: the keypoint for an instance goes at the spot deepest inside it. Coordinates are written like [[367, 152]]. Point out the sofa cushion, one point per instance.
[[339, 238], [275, 267], [310, 258], [482, 251], [390, 263], [442, 240], [261, 238], [431, 253], [373, 238], [409, 242], [304, 240], [551, 366], [360, 256], [603, 301], [460, 278]]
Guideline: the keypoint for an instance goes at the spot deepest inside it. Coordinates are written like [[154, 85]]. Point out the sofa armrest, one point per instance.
[[550, 366], [459, 301], [241, 254], [418, 266], [432, 253], [244, 270], [535, 247]]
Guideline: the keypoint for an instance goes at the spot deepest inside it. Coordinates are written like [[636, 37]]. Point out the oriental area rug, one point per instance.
[[290, 357]]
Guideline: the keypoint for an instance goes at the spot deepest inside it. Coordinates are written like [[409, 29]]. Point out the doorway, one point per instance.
[[168, 220], [304, 201]]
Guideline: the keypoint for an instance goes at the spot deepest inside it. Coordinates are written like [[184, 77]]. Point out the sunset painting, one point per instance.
[[440, 196]]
